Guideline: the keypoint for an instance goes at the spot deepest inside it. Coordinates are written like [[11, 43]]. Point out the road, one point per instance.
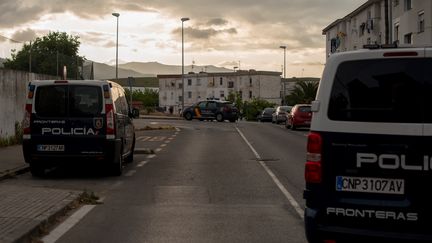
[[206, 182]]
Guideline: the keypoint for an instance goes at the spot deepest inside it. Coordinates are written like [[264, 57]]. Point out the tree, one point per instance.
[[236, 99], [252, 108], [45, 51], [304, 92], [149, 98]]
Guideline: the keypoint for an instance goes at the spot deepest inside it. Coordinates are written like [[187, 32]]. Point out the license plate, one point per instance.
[[50, 147], [370, 185]]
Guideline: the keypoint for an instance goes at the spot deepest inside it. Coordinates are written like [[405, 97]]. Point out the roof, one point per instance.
[[350, 15], [149, 82], [237, 73], [304, 79]]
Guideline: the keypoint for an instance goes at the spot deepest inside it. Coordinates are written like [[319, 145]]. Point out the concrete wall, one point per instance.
[[13, 90]]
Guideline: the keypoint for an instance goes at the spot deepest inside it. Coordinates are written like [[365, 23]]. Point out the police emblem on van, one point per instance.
[[97, 123]]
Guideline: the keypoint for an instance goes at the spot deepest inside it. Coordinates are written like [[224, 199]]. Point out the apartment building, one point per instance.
[[200, 86], [405, 22]]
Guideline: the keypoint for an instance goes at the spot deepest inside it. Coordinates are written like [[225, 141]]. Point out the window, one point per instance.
[[408, 38], [408, 5], [180, 85], [231, 84], [189, 82], [198, 83], [221, 81], [395, 2], [421, 22], [250, 94], [222, 94], [180, 98], [74, 100], [189, 94], [383, 90], [250, 81], [396, 32], [241, 94]]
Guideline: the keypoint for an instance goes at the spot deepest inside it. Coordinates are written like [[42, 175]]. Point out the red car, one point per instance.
[[300, 116]]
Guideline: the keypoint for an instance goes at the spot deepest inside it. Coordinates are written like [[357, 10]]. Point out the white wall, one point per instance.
[[13, 91]]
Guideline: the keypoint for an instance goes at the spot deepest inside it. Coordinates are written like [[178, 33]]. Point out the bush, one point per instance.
[[12, 140], [252, 108]]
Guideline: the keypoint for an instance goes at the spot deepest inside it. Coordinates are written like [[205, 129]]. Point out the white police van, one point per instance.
[[369, 156], [77, 122]]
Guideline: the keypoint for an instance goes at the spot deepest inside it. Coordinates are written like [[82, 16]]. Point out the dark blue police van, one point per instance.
[[77, 122]]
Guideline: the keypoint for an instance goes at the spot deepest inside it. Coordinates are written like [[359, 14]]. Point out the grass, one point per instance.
[[13, 140]]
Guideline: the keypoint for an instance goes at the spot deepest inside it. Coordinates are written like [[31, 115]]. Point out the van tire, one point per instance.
[[219, 117], [129, 158], [188, 116], [37, 170], [116, 168]]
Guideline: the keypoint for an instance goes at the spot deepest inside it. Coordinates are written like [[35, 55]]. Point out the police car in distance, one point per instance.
[[369, 166], [77, 122], [210, 110]]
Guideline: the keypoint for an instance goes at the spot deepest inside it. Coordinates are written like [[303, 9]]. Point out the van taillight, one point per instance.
[[313, 170], [109, 111], [26, 121]]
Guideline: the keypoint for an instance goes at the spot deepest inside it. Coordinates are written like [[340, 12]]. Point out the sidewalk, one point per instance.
[[26, 210]]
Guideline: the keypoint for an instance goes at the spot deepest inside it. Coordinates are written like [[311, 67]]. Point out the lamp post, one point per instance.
[[284, 48], [117, 15], [284, 74], [183, 20]]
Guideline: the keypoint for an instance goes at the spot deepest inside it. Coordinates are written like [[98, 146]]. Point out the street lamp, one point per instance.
[[284, 47], [284, 73], [117, 15], [183, 20]]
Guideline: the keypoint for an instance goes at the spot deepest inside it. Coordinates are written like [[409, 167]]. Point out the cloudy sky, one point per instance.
[[223, 32]]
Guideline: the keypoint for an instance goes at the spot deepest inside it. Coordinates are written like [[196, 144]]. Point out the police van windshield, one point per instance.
[[383, 90], [68, 101]]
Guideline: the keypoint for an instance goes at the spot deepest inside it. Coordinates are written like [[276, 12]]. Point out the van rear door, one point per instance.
[[374, 174], [68, 120]]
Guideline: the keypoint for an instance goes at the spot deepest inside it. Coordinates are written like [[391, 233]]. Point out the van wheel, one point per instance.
[[188, 116], [116, 168], [37, 170], [129, 158], [219, 117]]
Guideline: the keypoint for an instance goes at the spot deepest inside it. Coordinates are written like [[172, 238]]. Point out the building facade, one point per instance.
[[405, 22], [200, 86]]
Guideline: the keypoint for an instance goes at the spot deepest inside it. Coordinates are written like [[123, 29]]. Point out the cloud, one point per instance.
[[197, 33], [24, 35], [217, 22]]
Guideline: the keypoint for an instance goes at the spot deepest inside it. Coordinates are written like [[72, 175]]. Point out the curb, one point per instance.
[[48, 219], [13, 172], [161, 117]]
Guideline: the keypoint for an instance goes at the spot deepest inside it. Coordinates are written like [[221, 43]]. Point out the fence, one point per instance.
[[13, 89]]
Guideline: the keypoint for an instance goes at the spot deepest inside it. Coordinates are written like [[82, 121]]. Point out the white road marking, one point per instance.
[[171, 138], [167, 141], [163, 145], [288, 195], [64, 227], [151, 156], [142, 163], [130, 173], [117, 184], [177, 129], [158, 149]]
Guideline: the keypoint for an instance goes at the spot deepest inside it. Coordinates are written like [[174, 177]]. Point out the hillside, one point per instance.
[[158, 68]]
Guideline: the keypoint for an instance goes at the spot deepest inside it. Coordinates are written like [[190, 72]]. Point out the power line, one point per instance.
[[7, 38]]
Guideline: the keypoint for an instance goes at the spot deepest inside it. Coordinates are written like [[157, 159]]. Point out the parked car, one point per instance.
[[266, 114], [280, 114], [210, 110], [83, 121], [300, 116]]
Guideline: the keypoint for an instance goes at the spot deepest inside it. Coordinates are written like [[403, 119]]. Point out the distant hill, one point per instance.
[[104, 71], [156, 68]]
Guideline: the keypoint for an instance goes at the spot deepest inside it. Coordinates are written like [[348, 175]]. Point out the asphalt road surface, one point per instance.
[[206, 182]]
